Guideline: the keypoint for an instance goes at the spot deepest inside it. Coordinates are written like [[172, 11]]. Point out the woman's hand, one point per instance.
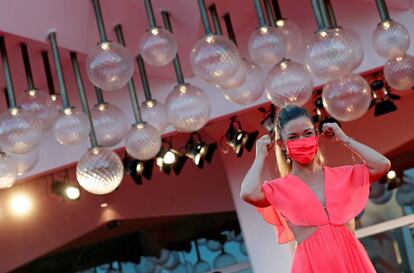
[[331, 130], [261, 146]]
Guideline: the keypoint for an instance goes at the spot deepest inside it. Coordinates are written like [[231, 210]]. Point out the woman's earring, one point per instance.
[[287, 157]]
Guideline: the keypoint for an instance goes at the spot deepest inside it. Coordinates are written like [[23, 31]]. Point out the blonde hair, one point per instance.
[[285, 115]]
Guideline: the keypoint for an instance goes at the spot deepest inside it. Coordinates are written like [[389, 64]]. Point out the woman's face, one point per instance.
[[297, 128]]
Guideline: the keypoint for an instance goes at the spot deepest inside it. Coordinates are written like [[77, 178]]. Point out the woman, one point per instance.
[[311, 203]]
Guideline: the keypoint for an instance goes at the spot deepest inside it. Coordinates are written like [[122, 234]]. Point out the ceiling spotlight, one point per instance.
[[391, 174], [65, 188], [236, 138], [269, 118], [21, 204], [138, 169], [199, 151], [382, 98]]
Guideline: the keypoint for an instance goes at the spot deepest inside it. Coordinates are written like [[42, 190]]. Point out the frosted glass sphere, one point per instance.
[[347, 98], [8, 171], [186, 267], [292, 33], [251, 89], [399, 72], [267, 45], [289, 83], [158, 47], [215, 59], [153, 112], [355, 44], [328, 54], [99, 171], [143, 141], [390, 39], [41, 106], [72, 127], [213, 245], [223, 260], [187, 108], [110, 66], [20, 132], [110, 124], [202, 267], [172, 261], [26, 162], [237, 79]]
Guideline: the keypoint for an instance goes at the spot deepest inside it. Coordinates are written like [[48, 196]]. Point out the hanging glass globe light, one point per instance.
[[186, 267], [20, 132], [347, 98], [153, 112], [289, 83], [143, 141], [215, 59], [72, 127], [328, 54], [399, 72], [187, 108], [26, 162], [223, 260], [355, 44], [40, 105], [251, 89], [292, 33], [110, 66], [390, 39], [99, 171], [158, 46], [237, 80], [267, 45], [8, 171], [110, 124]]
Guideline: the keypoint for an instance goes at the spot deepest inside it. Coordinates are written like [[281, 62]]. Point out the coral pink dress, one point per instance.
[[332, 248]]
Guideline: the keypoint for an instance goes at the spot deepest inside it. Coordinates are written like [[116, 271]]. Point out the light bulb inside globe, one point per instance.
[[72, 127], [143, 141], [267, 45], [399, 72], [391, 39], [158, 46], [153, 112]]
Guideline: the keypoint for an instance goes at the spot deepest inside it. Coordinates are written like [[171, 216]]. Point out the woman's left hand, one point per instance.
[[332, 130]]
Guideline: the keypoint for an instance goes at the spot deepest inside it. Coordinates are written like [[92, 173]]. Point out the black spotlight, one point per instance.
[[138, 169], [198, 150], [236, 138], [65, 189], [382, 98], [169, 158]]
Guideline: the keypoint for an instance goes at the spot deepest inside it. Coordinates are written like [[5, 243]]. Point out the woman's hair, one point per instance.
[[286, 114]]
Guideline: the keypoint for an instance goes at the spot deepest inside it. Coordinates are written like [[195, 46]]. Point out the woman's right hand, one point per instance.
[[261, 146]]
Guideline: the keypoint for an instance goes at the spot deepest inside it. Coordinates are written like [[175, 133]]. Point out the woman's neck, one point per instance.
[[310, 169]]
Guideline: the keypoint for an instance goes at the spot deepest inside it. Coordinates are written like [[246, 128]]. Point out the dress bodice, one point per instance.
[[346, 190]]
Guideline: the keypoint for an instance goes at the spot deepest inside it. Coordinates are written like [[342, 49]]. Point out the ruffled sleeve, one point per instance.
[[272, 216]]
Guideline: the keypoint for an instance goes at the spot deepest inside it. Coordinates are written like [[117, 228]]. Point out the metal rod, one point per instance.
[[269, 11], [176, 62], [83, 97], [317, 12], [259, 13], [324, 13], [6, 97], [229, 28], [383, 10], [277, 10], [27, 67], [7, 76], [331, 14], [215, 19], [150, 14], [204, 17], [99, 21], [58, 67], [131, 85], [99, 95], [197, 251], [144, 78], [48, 72]]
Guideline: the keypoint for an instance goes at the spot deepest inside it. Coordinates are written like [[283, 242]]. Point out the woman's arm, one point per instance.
[[251, 188], [377, 164]]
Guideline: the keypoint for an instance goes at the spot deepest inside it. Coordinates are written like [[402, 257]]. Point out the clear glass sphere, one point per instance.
[[143, 141], [289, 83], [40, 105], [215, 59], [26, 162], [110, 66], [8, 171], [292, 33], [20, 132], [399, 72], [267, 45], [72, 127], [223, 260], [99, 171], [328, 54], [237, 80], [153, 112], [390, 39], [187, 108], [347, 98], [110, 124], [355, 44], [202, 267], [158, 46], [251, 89]]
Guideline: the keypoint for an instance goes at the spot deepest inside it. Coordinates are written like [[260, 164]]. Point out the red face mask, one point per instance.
[[303, 150]]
